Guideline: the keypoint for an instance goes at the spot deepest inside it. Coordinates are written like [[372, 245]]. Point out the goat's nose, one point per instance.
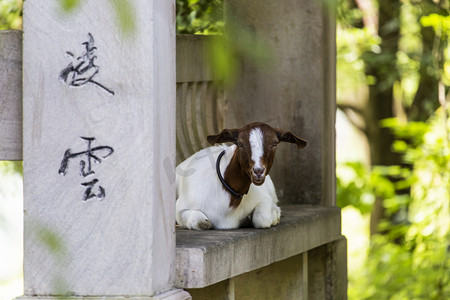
[[259, 171]]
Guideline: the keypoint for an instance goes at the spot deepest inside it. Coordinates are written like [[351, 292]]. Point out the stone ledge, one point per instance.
[[207, 257], [169, 295]]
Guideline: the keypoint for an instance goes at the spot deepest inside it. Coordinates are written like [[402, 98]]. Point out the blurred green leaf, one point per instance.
[[69, 5], [11, 167], [10, 14], [440, 23], [125, 15], [199, 16], [124, 12], [52, 241]]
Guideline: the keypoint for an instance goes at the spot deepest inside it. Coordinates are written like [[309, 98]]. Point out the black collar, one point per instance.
[[233, 192]]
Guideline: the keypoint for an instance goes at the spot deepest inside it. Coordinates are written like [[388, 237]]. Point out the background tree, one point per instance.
[[392, 82], [400, 72]]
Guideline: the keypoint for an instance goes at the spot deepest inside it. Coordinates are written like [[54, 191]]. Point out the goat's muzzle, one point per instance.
[[258, 176]]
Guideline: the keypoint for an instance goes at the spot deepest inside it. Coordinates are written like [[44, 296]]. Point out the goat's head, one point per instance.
[[256, 146]]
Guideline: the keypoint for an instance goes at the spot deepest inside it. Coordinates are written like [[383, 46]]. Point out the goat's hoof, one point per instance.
[[204, 225]]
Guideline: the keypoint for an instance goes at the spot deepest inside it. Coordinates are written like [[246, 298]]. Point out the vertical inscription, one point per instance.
[[82, 71]]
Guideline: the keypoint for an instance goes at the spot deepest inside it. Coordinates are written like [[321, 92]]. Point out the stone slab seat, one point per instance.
[[207, 257]]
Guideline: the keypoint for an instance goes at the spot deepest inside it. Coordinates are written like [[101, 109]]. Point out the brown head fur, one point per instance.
[[243, 170]]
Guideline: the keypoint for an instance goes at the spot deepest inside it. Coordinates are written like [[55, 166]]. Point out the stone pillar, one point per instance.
[[292, 87], [99, 120], [327, 276], [11, 95]]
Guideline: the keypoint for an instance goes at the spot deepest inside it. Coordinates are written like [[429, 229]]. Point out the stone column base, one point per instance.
[[169, 295]]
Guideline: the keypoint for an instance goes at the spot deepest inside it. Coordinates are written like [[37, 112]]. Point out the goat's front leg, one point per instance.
[[193, 219], [266, 215]]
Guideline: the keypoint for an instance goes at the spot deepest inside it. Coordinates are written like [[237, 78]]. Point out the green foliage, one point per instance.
[[410, 53], [10, 14], [440, 24], [199, 16], [353, 41], [9, 167], [351, 45], [400, 272], [348, 14], [410, 260], [441, 27], [359, 186]]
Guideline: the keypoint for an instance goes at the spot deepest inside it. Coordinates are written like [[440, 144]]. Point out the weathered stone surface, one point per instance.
[[219, 291], [291, 87], [194, 62], [194, 74], [11, 95], [169, 295], [121, 240], [207, 257], [327, 273], [281, 280]]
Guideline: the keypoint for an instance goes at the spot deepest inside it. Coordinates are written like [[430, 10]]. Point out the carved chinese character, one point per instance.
[[88, 194], [84, 69], [91, 154]]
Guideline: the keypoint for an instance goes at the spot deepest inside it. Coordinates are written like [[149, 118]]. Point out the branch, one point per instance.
[[350, 111]]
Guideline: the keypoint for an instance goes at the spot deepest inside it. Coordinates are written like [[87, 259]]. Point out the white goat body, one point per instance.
[[203, 202]]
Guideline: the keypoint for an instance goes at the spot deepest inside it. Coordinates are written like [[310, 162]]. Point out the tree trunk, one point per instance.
[[382, 68], [426, 99]]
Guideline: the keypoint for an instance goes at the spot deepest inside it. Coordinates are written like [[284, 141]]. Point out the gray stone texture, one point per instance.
[[11, 95], [176, 294], [124, 243], [327, 271], [194, 62], [292, 87], [208, 257], [282, 280], [217, 291], [195, 83]]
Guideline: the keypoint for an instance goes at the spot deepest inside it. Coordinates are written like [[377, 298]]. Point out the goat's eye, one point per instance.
[[239, 144], [274, 144]]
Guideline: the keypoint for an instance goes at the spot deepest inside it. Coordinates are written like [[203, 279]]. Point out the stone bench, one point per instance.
[[205, 259]]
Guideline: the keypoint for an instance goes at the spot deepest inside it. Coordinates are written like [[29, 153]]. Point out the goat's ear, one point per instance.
[[226, 135], [287, 136]]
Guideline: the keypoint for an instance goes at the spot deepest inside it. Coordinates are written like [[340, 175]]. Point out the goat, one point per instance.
[[206, 199]]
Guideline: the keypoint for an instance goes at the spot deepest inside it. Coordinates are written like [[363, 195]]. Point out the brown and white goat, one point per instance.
[[207, 199]]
